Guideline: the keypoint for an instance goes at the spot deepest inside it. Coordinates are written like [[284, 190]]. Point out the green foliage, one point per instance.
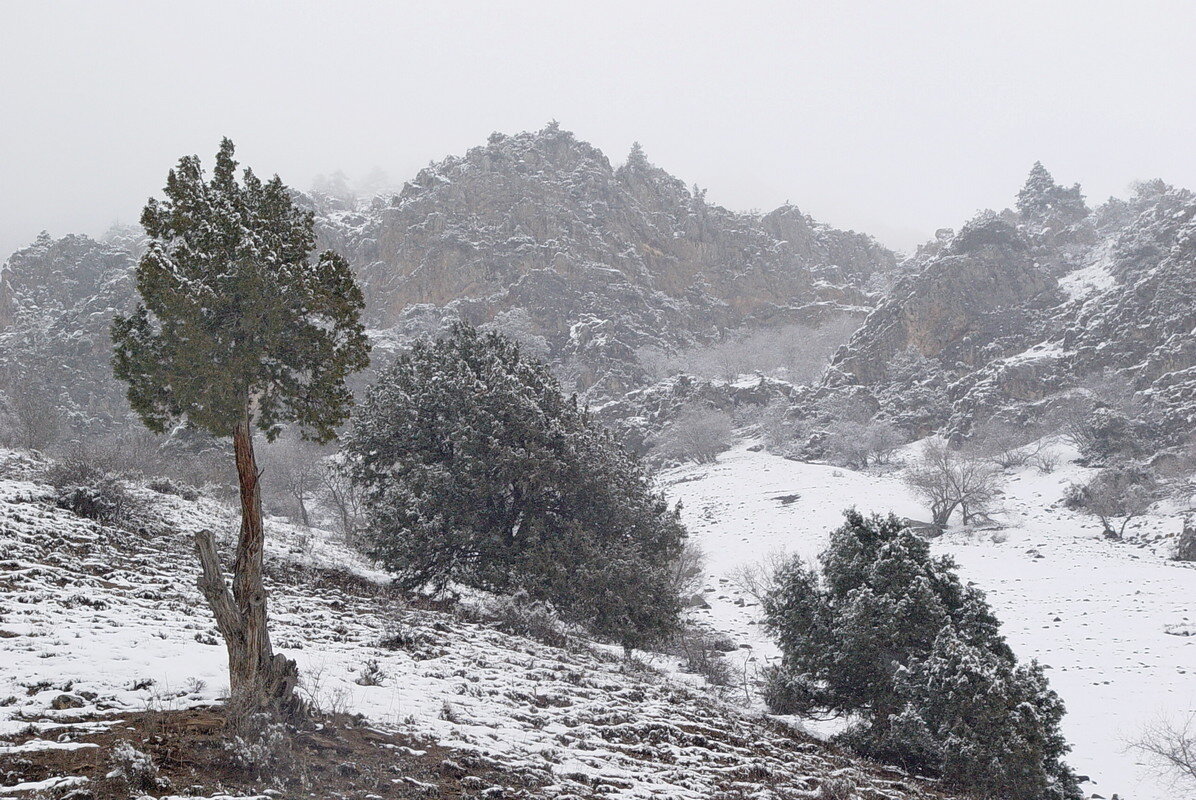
[[234, 314], [887, 632], [475, 468], [1043, 201]]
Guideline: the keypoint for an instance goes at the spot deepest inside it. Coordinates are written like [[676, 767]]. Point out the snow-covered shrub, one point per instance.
[[168, 486], [836, 787], [90, 492], [475, 468], [520, 615], [135, 768], [888, 633], [257, 741], [370, 674], [1122, 492]]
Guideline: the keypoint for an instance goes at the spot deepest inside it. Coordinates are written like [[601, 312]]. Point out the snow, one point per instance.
[[1103, 615], [1092, 279], [113, 618]]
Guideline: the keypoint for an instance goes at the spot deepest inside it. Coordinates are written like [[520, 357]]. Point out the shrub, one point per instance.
[[887, 632], [1005, 445], [135, 768], [167, 486], [520, 615], [862, 444], [475, 468], [1117, 492], [697, 434], [87, 491], [948, 480]]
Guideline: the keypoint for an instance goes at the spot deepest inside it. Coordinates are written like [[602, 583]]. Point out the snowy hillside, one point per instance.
[[102, 632], [1112, 620]]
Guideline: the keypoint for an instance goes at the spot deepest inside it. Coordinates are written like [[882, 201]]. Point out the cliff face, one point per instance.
[[1016, 308], [964, 301], [542, 222]]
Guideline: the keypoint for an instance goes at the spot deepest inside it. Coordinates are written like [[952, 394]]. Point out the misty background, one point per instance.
[[890, 118]]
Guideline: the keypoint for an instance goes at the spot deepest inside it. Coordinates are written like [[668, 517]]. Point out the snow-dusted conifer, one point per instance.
[[887, 632], [476, 468], [239, 329]]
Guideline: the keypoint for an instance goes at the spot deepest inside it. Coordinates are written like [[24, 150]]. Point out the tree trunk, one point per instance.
[[257, 676]]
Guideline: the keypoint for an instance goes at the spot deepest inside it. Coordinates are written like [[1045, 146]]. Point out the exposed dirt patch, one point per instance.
[[191, 752]]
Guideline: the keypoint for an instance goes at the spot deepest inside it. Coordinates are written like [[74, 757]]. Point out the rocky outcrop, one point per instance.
[[1017, 308], [971, 296], [542, 222]]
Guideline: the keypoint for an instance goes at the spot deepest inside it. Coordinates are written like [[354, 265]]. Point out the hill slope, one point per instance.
[[96, 620]]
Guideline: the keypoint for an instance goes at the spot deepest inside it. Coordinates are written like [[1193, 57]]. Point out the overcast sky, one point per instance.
[[891, 117]]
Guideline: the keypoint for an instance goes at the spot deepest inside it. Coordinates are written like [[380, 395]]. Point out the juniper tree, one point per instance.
[[239, 330], [1043, 201], [475, 468], [887, 633]]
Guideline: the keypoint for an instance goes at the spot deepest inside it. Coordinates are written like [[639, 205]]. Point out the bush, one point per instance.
[[167, 486], [475, 468], [862, 444], [519, 615], [89, 492], [888, 633], [1117, 492], [697, 434], [948, 480], [704, 654], [135, 768], [1005, 445]]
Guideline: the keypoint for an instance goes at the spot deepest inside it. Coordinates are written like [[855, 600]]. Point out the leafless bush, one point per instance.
[[1172, 747], [948, 480], [338, 489], [689, 570], [782, 434], [1005, 445], [1117, 492], [30, 417], [703, 652], [293, 471], [862, 444], [1046, 460], [697, 434]]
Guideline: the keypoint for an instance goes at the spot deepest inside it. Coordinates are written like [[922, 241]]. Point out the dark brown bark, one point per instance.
[[257, 676]]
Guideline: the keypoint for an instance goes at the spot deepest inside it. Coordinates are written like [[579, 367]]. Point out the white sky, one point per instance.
[[891, 117]]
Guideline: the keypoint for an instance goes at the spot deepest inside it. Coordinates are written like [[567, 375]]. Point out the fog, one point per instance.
[[892, 118]]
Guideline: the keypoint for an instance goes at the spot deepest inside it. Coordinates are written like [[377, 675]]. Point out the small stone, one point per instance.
[[65, 701]]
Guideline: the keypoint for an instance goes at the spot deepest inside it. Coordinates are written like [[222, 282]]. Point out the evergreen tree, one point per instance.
[[239, 329], [1045, 202], [476, 468], [887, 632]]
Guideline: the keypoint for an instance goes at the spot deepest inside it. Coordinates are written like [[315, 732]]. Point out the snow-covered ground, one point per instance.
[[1097, 612], [100, 620]]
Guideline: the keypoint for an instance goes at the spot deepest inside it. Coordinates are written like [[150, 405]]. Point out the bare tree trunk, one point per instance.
[[257, 675]]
